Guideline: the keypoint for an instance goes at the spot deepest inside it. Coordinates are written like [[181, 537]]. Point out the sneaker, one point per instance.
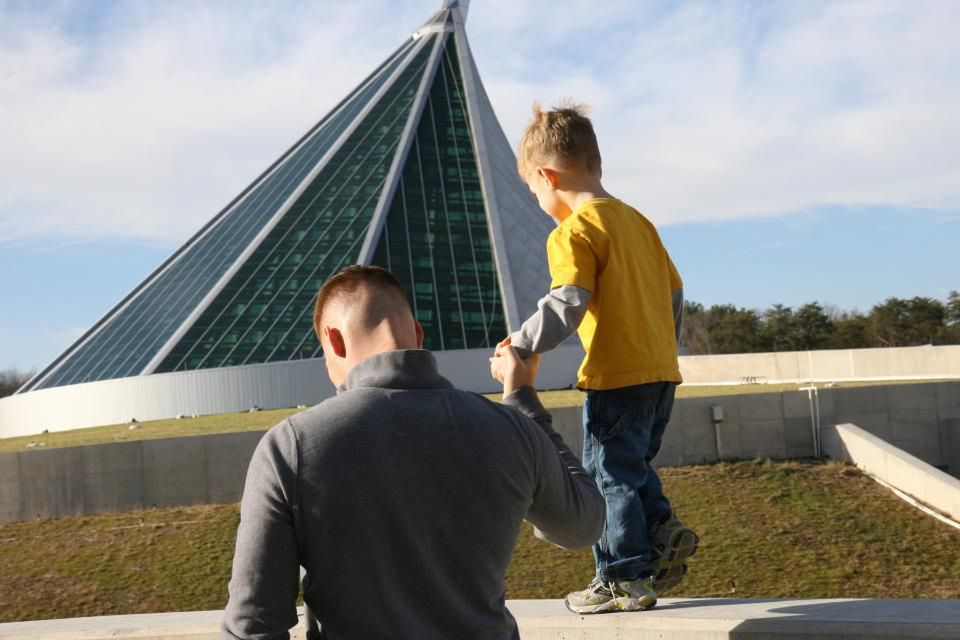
[[672, 543], [617, 595]]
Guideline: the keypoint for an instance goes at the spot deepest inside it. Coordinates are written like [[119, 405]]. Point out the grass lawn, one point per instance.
[[261, 420], [768, 529]]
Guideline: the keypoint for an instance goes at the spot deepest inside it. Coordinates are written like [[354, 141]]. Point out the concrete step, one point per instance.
[[740, 619], [672, 619]]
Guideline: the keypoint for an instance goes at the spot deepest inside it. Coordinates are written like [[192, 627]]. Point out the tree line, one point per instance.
[[11, 380], [724, 328], [896, 322]]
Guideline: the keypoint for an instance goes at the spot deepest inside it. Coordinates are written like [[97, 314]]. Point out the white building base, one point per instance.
[[268, 386]]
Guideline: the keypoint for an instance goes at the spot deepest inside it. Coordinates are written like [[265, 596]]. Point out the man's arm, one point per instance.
[[567, 508], [264, 586], [558, 315]]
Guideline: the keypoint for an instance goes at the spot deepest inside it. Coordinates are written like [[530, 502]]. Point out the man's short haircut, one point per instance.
[[386, 299], [563, 135]]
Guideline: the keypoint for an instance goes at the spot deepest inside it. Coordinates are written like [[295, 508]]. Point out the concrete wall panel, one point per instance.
[[762, 439], [697, 410], [227, 457], [687, 443], [877, 423], [798, 437], [758, 406], [795, 404], [902, 397], [203, 469], [917, 431], [112, 477], [950, 428], [174, 472], [948, 395], [568, 422], [824, 366], [51, 483], [859, 400], [9, 488]]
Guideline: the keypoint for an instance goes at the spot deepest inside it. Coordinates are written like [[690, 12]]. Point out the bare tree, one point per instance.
[[11, 380]]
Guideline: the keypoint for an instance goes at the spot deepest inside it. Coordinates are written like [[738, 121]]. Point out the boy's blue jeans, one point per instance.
[[622, 433]]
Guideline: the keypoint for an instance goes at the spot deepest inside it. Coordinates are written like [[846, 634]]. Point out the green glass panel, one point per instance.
[[435, 238], [266, 308], [133, 335]]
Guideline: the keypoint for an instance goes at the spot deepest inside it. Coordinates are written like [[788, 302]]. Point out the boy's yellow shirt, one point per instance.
[[612, 250]]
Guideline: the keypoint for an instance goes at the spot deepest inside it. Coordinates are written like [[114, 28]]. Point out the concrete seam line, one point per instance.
[[916, 503]]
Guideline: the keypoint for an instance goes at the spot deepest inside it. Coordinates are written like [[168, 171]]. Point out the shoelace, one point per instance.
[[609, 585]]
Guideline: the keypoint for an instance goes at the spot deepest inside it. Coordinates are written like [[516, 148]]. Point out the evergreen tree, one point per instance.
[[777, 329], [812, 328], [905, 323]]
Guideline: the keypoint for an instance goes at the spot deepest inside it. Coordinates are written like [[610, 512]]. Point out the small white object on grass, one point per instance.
[[133, 426]]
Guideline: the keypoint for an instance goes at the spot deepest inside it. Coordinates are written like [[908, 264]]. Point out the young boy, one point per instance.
[[613, 282]]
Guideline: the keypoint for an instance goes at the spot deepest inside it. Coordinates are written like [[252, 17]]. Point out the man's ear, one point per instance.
[[335, 338], [419, 330]]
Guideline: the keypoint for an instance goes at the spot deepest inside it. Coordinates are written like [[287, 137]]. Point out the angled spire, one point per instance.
[[411, 171], [462, 5]]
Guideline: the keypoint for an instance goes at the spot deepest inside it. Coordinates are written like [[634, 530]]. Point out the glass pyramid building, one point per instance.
[[411, 171]]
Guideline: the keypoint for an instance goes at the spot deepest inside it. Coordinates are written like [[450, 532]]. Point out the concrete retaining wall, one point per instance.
[[894, 467], [673, 619], [124, 476], [923, 419], [899, 363]]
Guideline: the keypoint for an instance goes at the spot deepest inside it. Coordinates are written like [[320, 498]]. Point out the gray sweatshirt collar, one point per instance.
[[400, 369]]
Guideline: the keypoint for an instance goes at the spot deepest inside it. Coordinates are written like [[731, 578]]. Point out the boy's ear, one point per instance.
[[550, 175]]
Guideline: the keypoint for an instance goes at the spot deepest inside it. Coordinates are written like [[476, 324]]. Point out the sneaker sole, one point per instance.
[[612, 606], [669, 578], [682, 544]]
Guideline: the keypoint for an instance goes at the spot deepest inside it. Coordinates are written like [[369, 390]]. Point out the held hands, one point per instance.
[[508, 368]]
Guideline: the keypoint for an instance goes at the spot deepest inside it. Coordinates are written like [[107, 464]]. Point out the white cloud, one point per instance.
[[149, 128], [149, 124], [725, 110]]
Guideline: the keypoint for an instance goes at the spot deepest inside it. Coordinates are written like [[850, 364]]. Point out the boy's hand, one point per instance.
[[507, 367]]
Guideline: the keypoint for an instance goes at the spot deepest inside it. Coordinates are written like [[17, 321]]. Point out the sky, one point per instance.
[[788, 151]]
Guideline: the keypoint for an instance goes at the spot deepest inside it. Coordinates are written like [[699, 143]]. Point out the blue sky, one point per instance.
[[789, 151]]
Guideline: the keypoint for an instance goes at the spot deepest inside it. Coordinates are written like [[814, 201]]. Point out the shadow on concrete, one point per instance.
[[855, 619], [699, 603]]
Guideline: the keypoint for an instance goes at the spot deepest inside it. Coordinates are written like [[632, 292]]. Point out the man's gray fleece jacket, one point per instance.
[[402, 498]]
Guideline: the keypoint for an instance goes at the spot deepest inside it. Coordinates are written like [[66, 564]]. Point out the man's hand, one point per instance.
[[507, 367]]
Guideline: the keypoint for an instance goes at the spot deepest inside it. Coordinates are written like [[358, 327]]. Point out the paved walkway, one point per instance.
[[673, 619]]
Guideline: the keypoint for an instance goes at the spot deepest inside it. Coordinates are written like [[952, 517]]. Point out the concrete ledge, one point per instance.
[[673, 619], [895, 467]]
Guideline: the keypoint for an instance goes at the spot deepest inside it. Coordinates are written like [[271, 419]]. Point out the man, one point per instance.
[[401, 497]]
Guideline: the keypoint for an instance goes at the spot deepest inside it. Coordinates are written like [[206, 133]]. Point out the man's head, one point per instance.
[[559, 146], [362, 311]]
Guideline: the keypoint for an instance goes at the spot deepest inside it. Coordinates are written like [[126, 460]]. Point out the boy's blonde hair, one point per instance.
[[563, 135]]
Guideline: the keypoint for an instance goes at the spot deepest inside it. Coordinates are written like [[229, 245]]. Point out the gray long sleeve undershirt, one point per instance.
[[558, 315]]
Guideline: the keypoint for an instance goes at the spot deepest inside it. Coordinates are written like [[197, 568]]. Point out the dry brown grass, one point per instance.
[[785, 529]]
